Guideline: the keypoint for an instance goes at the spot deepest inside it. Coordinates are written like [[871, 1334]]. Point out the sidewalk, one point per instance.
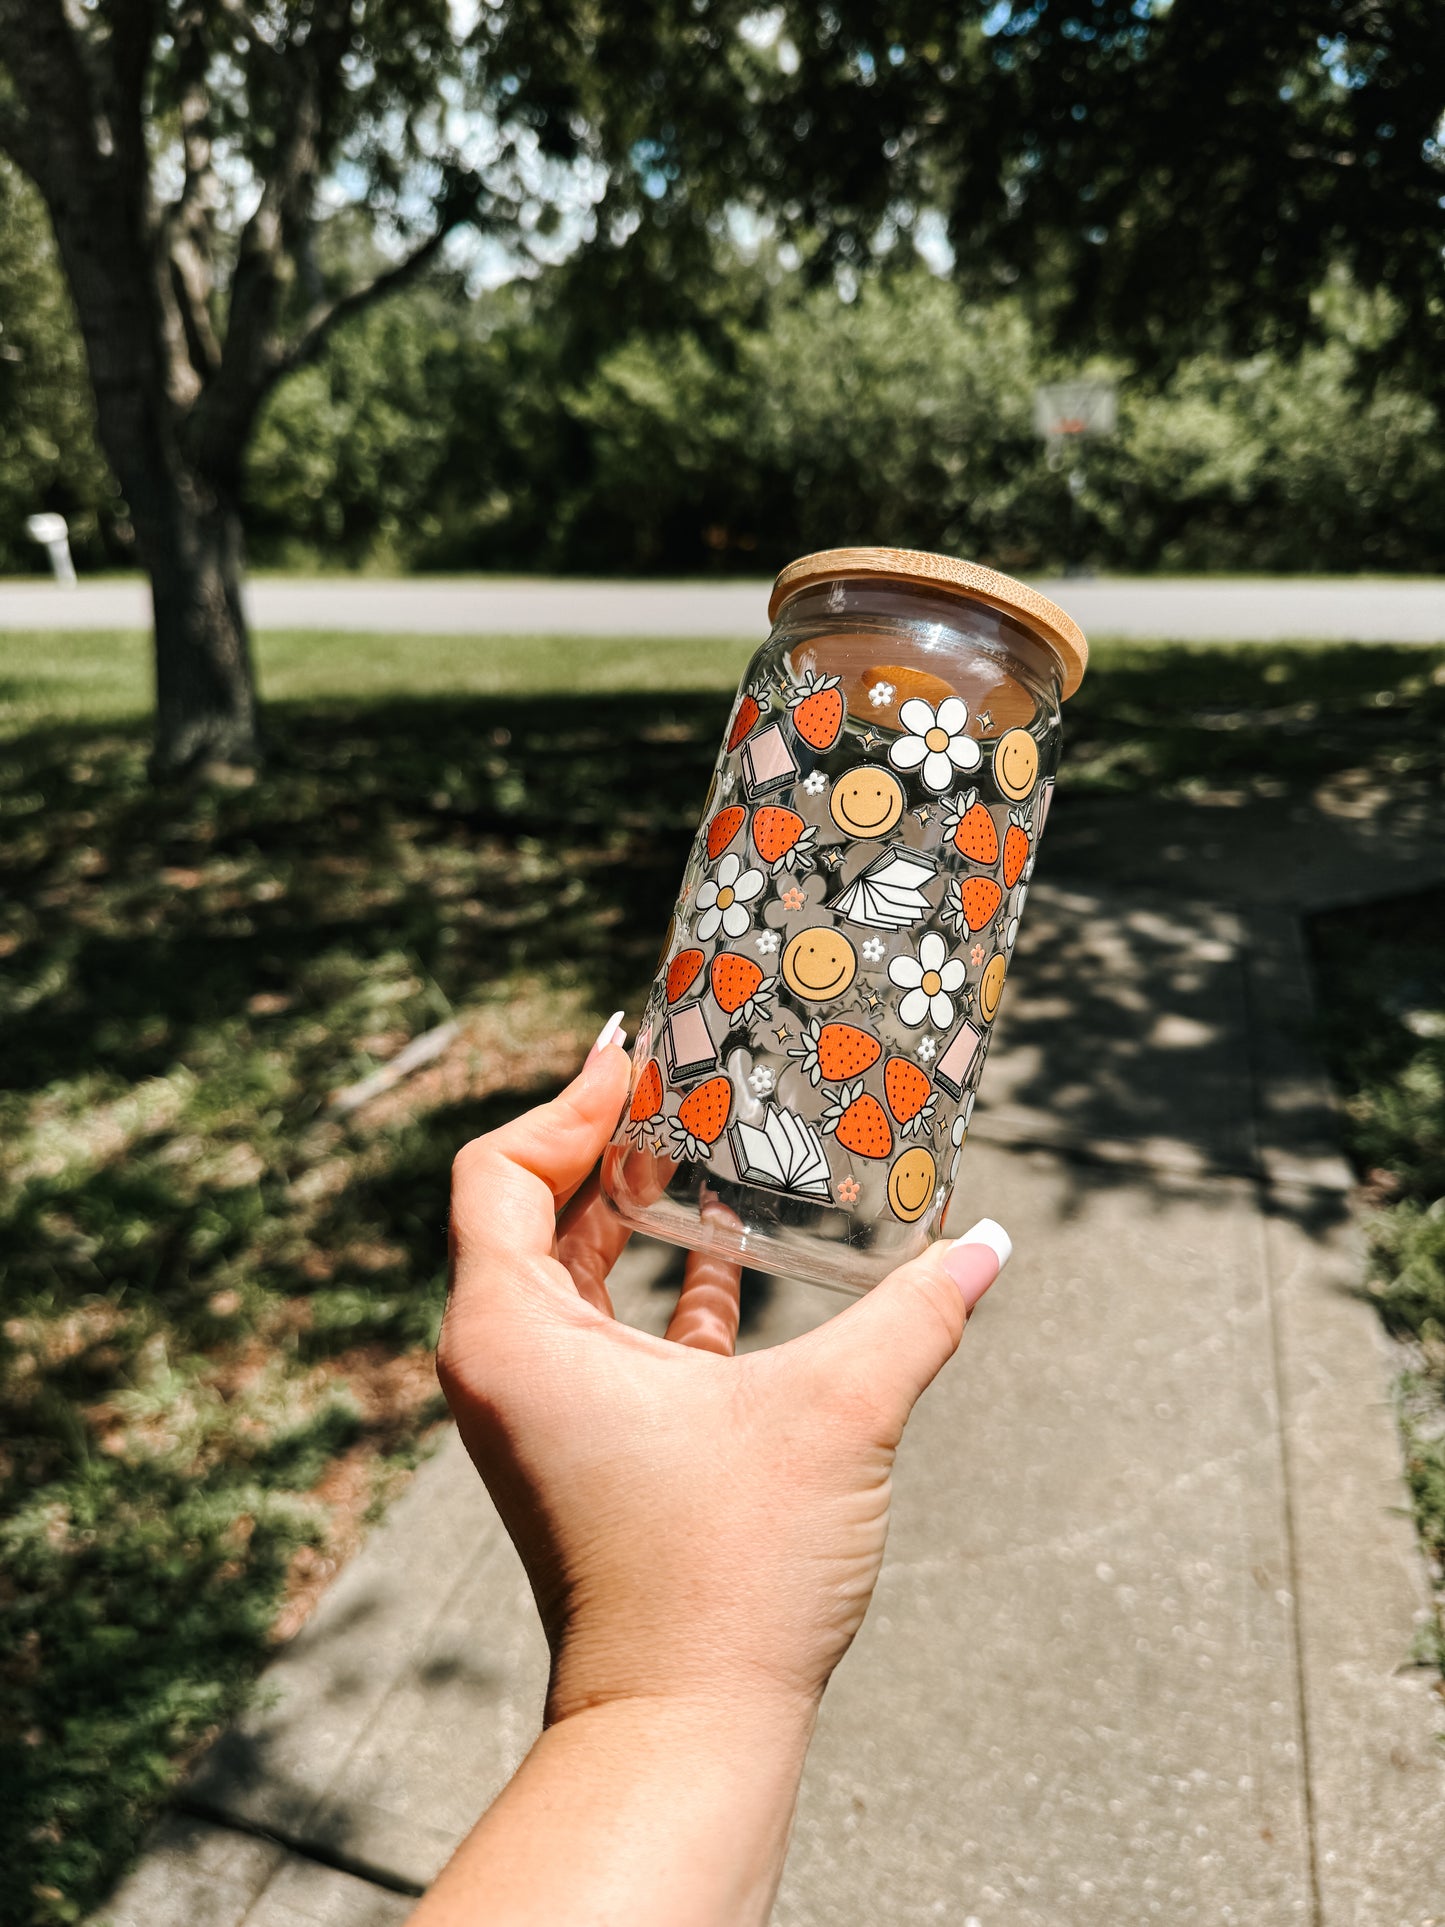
[[1140, 1650], [1180, 608]]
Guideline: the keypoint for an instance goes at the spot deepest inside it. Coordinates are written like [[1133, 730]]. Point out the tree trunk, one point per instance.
[[205, 693]]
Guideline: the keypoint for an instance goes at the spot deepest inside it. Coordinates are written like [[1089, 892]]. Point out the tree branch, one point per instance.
[[323, 321], [60, 138]]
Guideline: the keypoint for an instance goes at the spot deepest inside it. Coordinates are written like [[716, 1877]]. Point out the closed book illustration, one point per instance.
[[768, 763], [784, 1153], [687, 1044], [953, 1069], [889, 893]]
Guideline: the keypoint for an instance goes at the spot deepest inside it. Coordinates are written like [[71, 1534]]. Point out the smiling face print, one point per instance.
[[1016, 764], [867, 801], [819, 964], [911, 1184]]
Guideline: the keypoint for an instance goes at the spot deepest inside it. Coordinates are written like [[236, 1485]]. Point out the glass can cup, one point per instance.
[[805, 1069]]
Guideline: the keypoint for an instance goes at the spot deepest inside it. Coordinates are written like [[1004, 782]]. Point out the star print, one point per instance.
[[782, 1033], [985, 719], [870, 1000], [923, 813], [832, 856], [869, 739]]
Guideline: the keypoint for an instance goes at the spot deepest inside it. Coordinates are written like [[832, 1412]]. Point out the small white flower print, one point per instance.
[[725, 783], [722, 900], [881, 695], [926, 1050], [767, 942], [873, 950], [935, 745], [815, 783], [929, 979], [761, 1080]]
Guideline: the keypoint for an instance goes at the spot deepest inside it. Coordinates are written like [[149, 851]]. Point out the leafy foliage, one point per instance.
[[435, 434]]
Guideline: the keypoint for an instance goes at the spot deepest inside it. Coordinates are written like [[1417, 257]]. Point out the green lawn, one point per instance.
[[218, 1299]]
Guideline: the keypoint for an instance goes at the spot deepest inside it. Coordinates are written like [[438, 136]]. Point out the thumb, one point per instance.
[[508, 1186], [896, 1339]]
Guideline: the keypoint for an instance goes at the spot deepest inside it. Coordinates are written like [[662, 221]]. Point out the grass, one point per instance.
[[1382, 976], [218, 1299]]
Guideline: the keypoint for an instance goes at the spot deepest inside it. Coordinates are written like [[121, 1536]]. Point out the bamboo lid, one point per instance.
[[943, 572]]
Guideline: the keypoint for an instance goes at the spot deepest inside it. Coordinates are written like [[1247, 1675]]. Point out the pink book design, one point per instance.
[[768, 763], [953, 1069], [1046, 796], [687, 1045]]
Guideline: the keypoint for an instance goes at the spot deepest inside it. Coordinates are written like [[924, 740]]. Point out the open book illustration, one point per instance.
[[785, 1154], [889, 893]]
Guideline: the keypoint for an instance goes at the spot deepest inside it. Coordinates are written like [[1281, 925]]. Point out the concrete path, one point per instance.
[[1179, 609], [1141, 1646]]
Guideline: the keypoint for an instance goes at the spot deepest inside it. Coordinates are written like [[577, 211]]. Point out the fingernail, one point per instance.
[[610, 1033], [976, 1259]]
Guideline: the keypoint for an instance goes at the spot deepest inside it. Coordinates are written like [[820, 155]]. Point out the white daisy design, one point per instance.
[[761, 1080], [936, 745], [725, 783], [929, 979], [767, 942], [723, 899], [881, 695], [926, 1050], [1013, 923], [815, 783], [959, 1133], [873, 950]]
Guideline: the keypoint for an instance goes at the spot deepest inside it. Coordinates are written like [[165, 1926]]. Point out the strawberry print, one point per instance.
[[782, 839], [646, 1103], [742, 991], [723, 828], [818, 711], [974, 834], [682, 973], [701, 1119], [1015, 848], [746, 721], [909, 1092], [831, 1053], [859, 1122], [970, 904]]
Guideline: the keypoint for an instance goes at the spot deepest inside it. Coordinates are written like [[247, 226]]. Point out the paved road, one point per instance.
[[1181, 608]]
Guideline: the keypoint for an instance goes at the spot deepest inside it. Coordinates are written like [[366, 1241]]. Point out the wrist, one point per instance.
[[728, 1720]]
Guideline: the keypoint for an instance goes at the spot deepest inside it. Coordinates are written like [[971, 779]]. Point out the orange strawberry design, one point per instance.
[[646, 1102], [1015, 848], [975, 836], [723, 828], [682, 973], [818, 711], [859, 1123], [909, 1093], [831, 1053], [702, 1118], [741, 990], [782, 839], [971, 901], [745, 722]]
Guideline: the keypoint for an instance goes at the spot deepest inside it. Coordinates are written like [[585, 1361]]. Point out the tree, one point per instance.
[[148, 126], [1184, 171]]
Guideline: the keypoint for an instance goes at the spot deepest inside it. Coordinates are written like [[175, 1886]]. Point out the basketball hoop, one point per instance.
[[1067, 411]]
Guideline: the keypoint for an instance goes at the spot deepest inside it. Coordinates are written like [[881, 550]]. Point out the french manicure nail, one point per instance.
[[976, 1259], [610, 1033]]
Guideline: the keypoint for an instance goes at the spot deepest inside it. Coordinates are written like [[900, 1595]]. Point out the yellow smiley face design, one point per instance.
[[911, 1184], [818, 964], [867, 801], [990, 986], [1016, 764]]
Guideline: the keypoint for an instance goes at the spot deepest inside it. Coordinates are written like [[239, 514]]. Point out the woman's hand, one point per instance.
[[694, 1525], [702, 1532]]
